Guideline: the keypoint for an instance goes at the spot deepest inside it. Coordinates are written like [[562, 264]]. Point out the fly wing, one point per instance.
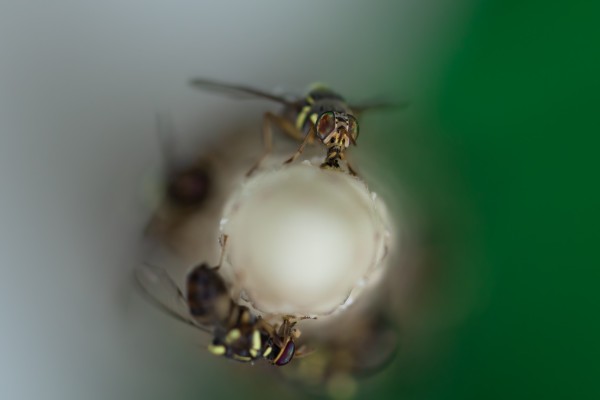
[[376, 105], [161, 290], [239, 90]]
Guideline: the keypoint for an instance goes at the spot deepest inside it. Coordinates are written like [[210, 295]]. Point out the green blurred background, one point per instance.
[[496, 155], [517, 112]]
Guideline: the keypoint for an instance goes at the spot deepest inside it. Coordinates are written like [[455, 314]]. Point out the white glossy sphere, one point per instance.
[[302, 239]]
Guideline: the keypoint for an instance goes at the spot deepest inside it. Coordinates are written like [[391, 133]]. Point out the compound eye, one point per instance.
[[353, 128], [325, 124], [286, 354]]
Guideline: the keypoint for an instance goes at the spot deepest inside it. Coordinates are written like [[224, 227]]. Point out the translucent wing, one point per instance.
[[239, 90], [160, 289], [378, 105]]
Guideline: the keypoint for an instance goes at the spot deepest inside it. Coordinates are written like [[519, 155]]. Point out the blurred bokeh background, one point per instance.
[[496, 154]]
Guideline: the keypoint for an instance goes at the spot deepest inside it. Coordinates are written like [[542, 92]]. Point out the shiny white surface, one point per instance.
[[302, 238]]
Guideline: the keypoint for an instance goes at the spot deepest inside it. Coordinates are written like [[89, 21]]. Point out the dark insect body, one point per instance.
[[206, 305], [189, 187]]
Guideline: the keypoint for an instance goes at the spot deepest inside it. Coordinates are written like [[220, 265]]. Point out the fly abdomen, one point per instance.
[[207, 296]]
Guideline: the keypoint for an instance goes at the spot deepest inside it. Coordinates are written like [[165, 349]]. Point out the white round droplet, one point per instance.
[[300, 238]]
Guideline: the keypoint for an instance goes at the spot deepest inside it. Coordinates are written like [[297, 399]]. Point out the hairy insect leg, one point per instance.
[[284, 124], [303, 351], [264, 325], [271, 331], [223, 243], [350, 169], [308, 138], [287, 328]]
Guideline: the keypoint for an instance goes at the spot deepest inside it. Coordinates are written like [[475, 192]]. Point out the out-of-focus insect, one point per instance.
[[189, 187], [322, 113], [366, 350], [186, 187], [206, 305]]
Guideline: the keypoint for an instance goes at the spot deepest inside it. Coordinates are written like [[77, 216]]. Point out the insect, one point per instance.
[[206, 305], [367, 349], [186, 187], [321, 115]]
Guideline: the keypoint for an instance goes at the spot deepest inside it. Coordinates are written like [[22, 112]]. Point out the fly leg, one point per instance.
[[223, 243], [350, 169], [307, 139], [269, 120], [303, 351], [270, 330]]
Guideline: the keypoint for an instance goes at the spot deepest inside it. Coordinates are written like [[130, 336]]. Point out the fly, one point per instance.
[[206, 305], [322, 115]]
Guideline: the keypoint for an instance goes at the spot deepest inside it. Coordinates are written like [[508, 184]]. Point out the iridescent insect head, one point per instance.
[[337, 130]]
